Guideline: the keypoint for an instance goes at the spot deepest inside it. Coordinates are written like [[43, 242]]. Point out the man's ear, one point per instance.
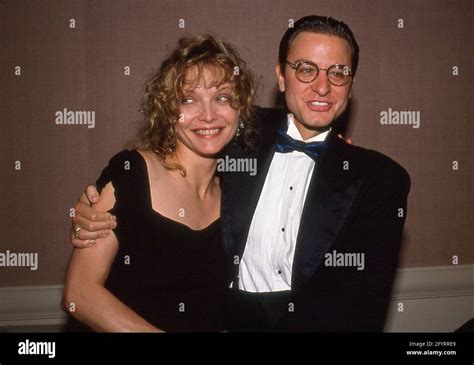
[[280, 78]]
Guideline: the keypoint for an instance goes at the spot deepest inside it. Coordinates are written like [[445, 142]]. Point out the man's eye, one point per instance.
[[337, 74], [307, 70]]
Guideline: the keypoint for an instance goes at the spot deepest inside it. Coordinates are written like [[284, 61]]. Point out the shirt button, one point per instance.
[[291, 187], [279, 272], [283, 229]]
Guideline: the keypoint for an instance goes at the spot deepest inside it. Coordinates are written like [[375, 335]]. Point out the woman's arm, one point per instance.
[[85, 296]]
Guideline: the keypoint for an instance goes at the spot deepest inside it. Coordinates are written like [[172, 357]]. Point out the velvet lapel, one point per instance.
[[327, 206], [241, 192]]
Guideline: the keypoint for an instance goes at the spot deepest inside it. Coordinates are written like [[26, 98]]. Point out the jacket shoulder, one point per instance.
[[380, 166], [269, 117]]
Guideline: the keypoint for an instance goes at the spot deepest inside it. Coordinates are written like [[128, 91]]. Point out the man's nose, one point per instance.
[[321, 85], [207, 113]]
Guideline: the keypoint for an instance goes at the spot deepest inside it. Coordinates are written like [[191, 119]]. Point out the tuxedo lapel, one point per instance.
[[246, 194], [241, 191], [327, 206]]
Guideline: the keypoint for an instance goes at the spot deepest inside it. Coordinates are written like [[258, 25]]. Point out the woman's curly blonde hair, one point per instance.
[[164, 93]]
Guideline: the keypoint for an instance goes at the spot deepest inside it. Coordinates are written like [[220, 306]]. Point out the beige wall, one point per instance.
[[406, 69]]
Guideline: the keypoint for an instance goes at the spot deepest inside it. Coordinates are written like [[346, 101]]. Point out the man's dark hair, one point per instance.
[[320, 25]]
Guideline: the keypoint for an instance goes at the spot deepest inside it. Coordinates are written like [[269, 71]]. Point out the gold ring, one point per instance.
[[75, 232]]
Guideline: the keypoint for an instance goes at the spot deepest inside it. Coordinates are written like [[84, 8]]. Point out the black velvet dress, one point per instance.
[[171, 275]]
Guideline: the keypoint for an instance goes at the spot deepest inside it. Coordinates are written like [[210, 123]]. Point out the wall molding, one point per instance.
[[434, 282], [31, 306], [436, 299], [432, 299]]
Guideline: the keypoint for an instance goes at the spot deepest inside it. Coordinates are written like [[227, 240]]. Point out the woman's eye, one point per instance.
[[186, 101], [223, 98]]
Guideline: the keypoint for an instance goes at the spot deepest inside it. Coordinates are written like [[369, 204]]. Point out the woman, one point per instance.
[[163, 268]]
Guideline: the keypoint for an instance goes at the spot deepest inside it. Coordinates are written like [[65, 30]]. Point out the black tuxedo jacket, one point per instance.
[[356, 203]]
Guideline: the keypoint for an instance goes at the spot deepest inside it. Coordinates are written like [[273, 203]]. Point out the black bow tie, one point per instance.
[[287, 144]]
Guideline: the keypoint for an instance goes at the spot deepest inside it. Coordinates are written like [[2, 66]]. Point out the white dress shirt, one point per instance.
[[268, 256]]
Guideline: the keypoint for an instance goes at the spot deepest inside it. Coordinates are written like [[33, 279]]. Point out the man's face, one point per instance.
[[317, 104]]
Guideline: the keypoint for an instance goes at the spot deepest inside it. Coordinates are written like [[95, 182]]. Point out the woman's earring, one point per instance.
[[240, 129]]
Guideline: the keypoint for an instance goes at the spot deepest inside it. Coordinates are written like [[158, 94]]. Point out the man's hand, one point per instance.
[[89, 224], [348, 140]]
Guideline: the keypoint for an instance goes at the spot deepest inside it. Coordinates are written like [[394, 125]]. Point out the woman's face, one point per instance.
[[207, 121]]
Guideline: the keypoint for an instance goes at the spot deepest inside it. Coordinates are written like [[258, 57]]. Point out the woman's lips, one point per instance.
[[208, 132]]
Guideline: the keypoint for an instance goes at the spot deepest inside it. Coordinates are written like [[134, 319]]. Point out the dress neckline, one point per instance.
[[147, 187]]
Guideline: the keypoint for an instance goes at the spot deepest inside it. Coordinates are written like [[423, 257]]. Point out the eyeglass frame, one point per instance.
[[295, 66]]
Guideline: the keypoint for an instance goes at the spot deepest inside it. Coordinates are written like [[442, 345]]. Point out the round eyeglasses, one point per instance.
[[306, 71]]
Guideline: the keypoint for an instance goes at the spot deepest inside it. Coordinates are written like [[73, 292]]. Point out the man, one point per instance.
[[313, 238]]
